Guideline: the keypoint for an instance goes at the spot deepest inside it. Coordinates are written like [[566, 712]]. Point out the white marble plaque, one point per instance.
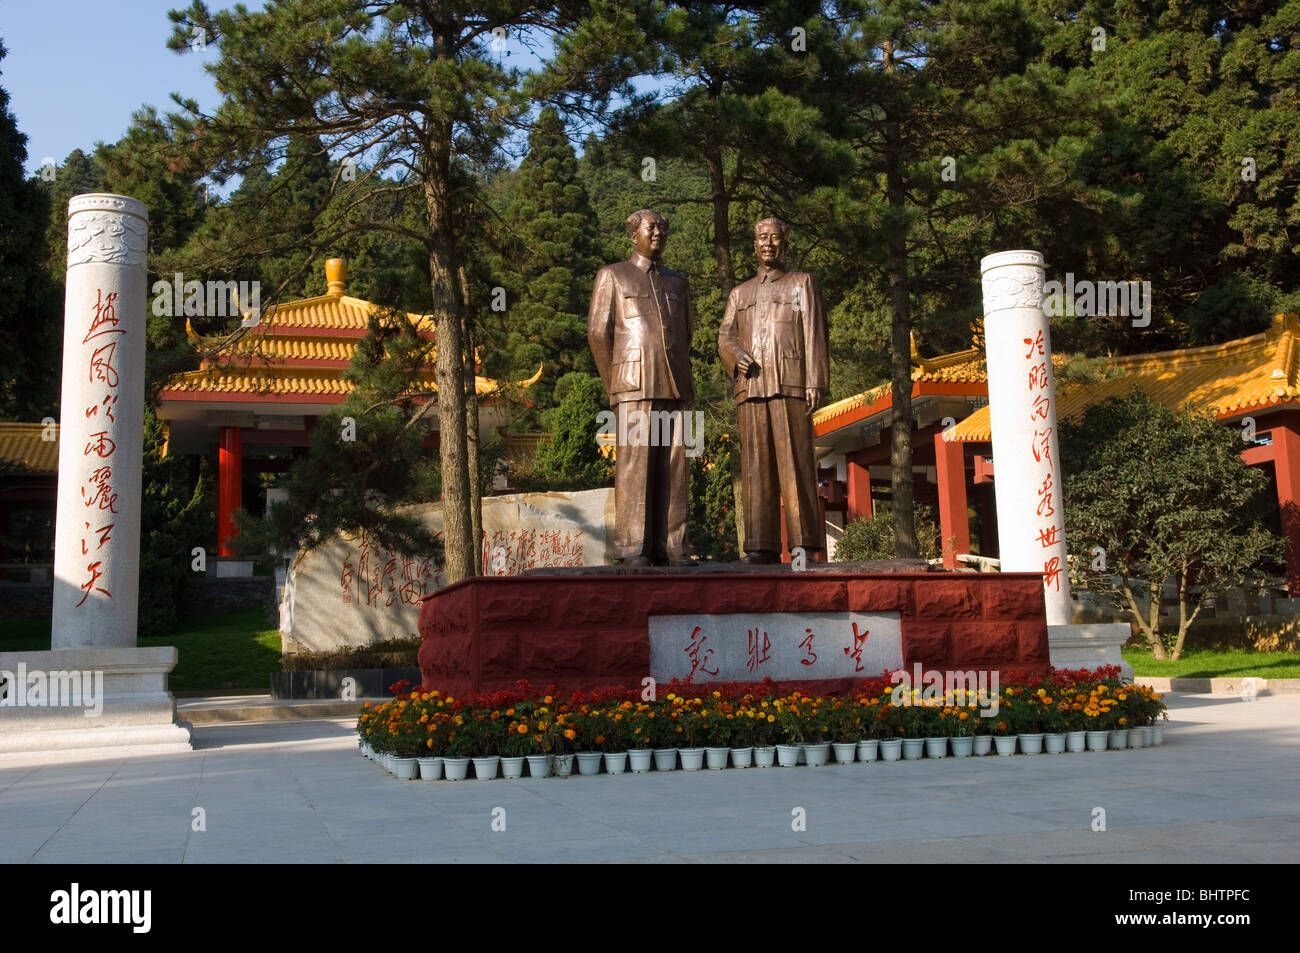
[[748, 647]]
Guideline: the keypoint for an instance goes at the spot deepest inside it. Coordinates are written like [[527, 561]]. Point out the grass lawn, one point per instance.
[[1203, 663], [217, 652]]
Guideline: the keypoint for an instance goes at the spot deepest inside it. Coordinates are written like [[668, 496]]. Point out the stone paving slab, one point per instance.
[[1225, 787]]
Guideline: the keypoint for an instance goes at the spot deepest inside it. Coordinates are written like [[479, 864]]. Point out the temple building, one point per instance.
[[1255, 377], [257, 401]]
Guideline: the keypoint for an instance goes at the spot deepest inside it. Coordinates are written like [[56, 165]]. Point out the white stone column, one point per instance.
[[1022, 410], [97, 534]]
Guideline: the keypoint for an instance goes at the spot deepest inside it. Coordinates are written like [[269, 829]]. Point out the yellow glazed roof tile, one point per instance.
[[24, 444], [1228, 379]]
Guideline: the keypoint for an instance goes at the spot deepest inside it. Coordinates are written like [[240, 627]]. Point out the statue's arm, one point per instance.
[[600, 323], [729, 350], [817, 373]]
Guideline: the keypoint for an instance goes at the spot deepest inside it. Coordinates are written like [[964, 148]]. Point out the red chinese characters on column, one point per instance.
[[1040, 448], [103, 334]]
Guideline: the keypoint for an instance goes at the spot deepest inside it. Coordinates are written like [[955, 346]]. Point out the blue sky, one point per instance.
[[77, 69]]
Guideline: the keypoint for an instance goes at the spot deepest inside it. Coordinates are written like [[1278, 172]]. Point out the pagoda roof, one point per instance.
[[297, 353], [25, 445], [1231, 380]]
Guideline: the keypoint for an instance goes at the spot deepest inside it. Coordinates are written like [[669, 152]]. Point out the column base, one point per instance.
[[71, 700], [1090, 645]]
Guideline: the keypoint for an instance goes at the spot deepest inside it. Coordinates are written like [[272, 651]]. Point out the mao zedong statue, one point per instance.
[[773, 343], [639, 329]]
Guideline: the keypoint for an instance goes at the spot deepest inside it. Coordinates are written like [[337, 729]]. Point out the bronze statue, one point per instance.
[[773, 343], [639, 329]]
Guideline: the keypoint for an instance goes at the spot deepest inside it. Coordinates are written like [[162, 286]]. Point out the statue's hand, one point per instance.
[[743, 364], [814, 398]]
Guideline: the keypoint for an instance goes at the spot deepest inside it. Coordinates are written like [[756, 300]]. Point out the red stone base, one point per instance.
[[580, 633]]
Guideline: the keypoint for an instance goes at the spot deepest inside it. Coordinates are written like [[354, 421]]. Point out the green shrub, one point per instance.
[[873, 538]]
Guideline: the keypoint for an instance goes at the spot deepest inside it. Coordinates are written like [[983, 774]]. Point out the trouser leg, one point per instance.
[[632, 507], [758, 478], [796, 465]]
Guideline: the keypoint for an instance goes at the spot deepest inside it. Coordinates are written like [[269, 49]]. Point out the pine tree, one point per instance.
[[30, 320], [552, 259]]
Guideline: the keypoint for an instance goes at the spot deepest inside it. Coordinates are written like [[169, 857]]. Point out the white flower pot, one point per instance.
[[692, 758], [891, 749], [1006, 745], [787, 755], [817, 755], [982, 746], [1054, 742], [742, 757], [665, 759], [913, 748], [539, 765], [1097, 740], [512, 768], [562, 765], [615, 762], [1148, 732], [639, 760], [455, 769], [716, 758], [405, 769], [868, 749], [962, 747], [936, 747], [1076, 740], [845, 751], [1157, 734], [485, 768], [430, 769], [588, 763], [765, 757], [388, 762], [1118, 740], [1031, 743], [1135, 737]]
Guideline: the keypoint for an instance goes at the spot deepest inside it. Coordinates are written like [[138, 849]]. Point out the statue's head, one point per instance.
[[648, 231], [769, 241]]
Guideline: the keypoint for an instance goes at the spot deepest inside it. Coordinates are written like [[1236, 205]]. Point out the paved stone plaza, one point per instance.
[[1225, 787]]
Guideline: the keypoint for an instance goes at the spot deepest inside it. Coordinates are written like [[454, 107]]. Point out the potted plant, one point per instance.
[[1004, 734], [1073, 702], [563, 736], [816, 745], [1052, 719], [590, 726], [689, 728], [664, 733], [792, 718], [487, 737], [1026, 716], [617, 729], [517, 743], [716, 732], [962, 721], [869, 740], [460, 743], [888, 726], [767, 731], [639, 737], [913, 719], [845, 729]]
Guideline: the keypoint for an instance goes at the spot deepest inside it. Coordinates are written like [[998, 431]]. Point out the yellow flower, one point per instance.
[[570, 733]]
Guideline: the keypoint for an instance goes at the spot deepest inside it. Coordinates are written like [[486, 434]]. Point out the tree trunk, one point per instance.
[[450, 369], [1153, 625], [725, 268], [472, 447], [900, 417]]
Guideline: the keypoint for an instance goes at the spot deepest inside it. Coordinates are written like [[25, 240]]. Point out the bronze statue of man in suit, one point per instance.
[[773, 343], [639, 329]]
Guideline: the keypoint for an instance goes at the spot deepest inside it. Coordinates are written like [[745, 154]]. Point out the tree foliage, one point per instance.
[[1152, 495]]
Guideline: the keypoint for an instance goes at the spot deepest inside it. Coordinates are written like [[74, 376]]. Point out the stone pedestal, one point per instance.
[[95, 689], [1022, 411], [1089, 646]]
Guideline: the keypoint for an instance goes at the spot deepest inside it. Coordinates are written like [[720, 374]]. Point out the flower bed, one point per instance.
[[748, 720]]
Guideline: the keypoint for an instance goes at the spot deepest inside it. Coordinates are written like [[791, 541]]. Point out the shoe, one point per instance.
[[761, 557], [635, 562], [682, 561]]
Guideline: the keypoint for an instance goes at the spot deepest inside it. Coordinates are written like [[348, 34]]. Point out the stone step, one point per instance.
[[228, 709], [1234, 685]]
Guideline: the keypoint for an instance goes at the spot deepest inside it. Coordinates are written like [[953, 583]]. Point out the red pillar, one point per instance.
[[230, 460], [953, 519], [859, 490], [1286, 465]]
